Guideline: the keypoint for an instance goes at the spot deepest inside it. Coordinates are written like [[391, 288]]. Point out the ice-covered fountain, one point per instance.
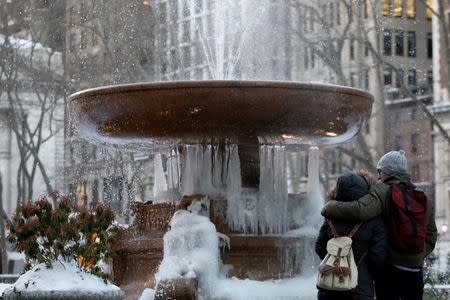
[[221, 144], [226, 140]]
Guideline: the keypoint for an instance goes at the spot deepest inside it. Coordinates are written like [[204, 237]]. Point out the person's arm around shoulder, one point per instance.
[[430, 239], [362, 210]]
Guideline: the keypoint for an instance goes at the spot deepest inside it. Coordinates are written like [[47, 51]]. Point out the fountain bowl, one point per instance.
[[166, 114]]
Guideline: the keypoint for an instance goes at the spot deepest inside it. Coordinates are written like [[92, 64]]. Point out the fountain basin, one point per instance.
[[166, 114]]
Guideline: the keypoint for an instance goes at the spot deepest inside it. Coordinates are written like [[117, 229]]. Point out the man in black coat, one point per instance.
[[369, 242]]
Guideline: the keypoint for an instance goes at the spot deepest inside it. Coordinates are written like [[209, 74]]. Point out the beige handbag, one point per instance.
[[338, 270]]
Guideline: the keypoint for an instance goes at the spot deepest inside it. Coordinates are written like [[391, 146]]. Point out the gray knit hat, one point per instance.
[[393, 162]]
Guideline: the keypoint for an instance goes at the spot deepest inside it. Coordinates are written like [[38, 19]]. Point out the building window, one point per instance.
[[399, 40], [94, 39], [387, 42], [95, 190], [173, 10], [352, 11], [415, 172], [352, 49], [411, 8], [398, 142], [186, 56], [387, 76], [198, 27], [83, 13], [429, 10], [414, 143], [353, 79], [399, 78], [366, 8], [186, 10], [72, 41], [162, 12], [429, 45], [313, 59], [338, 13], [83, 39], [398, 8], [40, 4], [186, 31], [198, 6], [385, 7], [210, 4], [112, 192], [366, 49], [412, 77], [331, 14], [5, 138], [306, 58], [366, 79], [411, 44], [413, 113], [430, 77], [72, 194]]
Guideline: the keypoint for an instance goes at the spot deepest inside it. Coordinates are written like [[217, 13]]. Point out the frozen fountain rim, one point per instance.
[[142, 86]]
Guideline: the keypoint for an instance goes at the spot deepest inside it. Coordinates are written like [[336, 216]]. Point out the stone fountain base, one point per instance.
[[249, 256]]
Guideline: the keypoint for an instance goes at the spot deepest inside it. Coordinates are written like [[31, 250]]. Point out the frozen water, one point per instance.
[[214, 170], [160, 179], [273, 195], [191, 250], [308, 214]]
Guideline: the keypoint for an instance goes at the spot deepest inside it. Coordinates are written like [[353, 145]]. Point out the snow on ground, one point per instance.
[[62, 277], [4, 286], [301, 288], [14, 255], [148, 294]]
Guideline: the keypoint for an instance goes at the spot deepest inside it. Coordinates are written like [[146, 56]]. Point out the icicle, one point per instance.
[[273, 196], [160, 185]]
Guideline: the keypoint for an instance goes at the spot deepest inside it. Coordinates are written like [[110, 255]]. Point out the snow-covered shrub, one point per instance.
[[65, 232]]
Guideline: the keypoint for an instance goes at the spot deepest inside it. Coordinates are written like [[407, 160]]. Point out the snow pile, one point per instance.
[[300, 288], [147, 294], [191, 250], [63, 276]]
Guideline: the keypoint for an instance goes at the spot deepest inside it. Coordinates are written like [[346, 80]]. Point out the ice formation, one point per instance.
[[191, 250]]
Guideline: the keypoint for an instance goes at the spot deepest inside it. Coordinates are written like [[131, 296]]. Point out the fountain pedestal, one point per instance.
[[167, 115]]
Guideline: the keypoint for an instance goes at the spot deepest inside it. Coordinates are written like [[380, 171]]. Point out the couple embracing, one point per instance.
[[376, 235]]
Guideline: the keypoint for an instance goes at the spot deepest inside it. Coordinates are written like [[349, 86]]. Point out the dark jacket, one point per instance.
[[376, 203], [371, 238], [369, 242]]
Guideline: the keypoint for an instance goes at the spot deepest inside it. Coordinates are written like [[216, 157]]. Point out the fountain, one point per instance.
[[225, 140]]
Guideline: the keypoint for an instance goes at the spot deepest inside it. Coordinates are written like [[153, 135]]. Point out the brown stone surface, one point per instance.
[[177, 289], [159, 115]]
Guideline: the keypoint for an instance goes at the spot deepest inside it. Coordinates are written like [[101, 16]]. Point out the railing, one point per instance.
[[8, 278]]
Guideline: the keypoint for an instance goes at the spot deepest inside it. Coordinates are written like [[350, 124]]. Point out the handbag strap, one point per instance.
[[354, 230], [336, 235], [333, 229]]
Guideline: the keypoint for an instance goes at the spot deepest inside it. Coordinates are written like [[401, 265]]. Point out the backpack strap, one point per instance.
[[333, 229], [354, 230]]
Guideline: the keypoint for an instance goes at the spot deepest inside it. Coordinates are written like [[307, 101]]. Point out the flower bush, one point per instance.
[[47, 234]]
